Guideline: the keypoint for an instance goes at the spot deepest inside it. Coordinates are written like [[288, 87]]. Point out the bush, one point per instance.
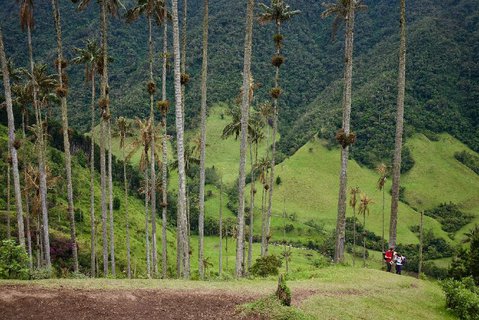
[[449, 215], [278, 180], [116, 203], [41, 273], [462, 298], [283, 293], [13, 261], [469, 160], [266, 266]]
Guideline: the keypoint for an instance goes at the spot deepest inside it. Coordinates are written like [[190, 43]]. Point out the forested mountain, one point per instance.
[[442, 69]]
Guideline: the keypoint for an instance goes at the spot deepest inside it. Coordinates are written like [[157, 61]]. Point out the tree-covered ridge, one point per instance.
[[441, 87]]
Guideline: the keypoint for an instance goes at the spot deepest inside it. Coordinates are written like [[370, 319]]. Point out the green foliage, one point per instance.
[[449, 215], [13, 261], [116, 203], [283, 293], [266, 266], [462, 298], [271, 308], [469, 160], [278, 180], [41, 273]]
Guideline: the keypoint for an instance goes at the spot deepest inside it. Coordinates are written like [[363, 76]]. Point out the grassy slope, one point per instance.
[[438, 177], [329, 293]]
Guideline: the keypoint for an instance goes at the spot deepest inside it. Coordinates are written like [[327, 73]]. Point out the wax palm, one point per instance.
[[364, 204], [153, 9], [352, 203], [339, 10], [344, 10], [468, 236], [382, 170], [278, 13]]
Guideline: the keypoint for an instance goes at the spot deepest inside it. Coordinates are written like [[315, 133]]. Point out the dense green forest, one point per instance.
[[442, 70]]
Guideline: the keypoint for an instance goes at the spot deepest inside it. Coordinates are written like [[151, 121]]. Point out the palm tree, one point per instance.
[[204, 76], [399, 128], [279, 12], [183, 250], [13, 145], [90, 56], [244, 135], [352, 202], [27, 22], [344, 10], [124, 129], [220, 247], [364, 204], [62, 94], [153, 9], [143, 141], [106, 6], [382, 170], [164, 106]]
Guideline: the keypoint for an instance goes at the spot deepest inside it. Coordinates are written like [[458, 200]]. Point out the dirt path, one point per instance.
[[32, 302]]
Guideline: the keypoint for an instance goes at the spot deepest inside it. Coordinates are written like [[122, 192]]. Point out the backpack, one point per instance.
[[404, 260]]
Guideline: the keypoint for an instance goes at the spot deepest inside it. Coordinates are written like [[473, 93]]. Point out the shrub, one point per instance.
[[288, 228], [283, 293], [461, 298], [116, 203], [469, 160], [41, 273], [278, 180], [13, 261], [449, 215], [265, 266]]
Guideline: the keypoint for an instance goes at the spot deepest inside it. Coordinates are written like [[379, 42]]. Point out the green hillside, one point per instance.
[[438, 177]]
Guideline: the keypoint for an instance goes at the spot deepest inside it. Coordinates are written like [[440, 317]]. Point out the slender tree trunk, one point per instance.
[[399, 128], [66, 139], [251, 209], [244, 135], [92, 181], [41, 160], [263, 220], [273, 150], [382, 243], [204, 78], [11, 144], [147, 213], [421, 222], [343, 179], [125, 181], [152, 155], [354, 236], [27, 198], [9, 197], [183, 233], [110, 191], [364, 240], [104, 122], [39, 242], [220, 265], [164, 182]]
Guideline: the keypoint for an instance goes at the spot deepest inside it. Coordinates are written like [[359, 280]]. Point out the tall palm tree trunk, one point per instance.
[[348, 75], [183, 234], [147, 213], [92, 182], [127, 231], [104, 117], [220, 247], [110, 191], [251, 209], [41, 159], [9, 197], [244, 135], [399, 128], [354, 236], [27, 198], [152, 155], [164, 178], [383, 218], [11, 144], [204, 78], [66, 139]]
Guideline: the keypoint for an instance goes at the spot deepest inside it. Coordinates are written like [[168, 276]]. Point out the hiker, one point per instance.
[[400, 260], [388, 258]]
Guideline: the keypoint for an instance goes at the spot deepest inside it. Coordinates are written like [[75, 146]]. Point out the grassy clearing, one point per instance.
[[437, 177], [329, 293]]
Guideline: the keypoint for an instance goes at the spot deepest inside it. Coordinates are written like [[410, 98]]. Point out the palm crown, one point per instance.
[[278, 12]]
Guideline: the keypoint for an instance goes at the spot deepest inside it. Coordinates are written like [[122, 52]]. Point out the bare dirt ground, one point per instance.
[[35, 302]]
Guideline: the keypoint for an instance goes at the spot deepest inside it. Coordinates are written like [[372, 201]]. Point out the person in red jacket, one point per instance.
[[388, 258]]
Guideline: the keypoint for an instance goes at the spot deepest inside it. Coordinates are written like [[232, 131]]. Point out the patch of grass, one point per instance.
[[271, 308]]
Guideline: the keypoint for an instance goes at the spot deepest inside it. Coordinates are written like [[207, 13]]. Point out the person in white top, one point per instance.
[[399, 260]]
